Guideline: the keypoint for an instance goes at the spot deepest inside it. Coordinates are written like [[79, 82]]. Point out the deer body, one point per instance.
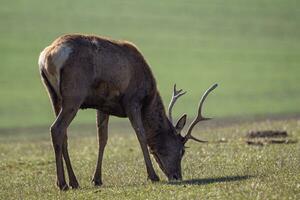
[[112, 77], [113, 71]]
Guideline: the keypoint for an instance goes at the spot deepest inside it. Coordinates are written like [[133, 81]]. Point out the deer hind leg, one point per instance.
[[56, 104], [102, 126], [135, 118], [72, 178], [58, 134]]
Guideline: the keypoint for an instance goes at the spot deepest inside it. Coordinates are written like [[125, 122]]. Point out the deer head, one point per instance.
[[169, 158]]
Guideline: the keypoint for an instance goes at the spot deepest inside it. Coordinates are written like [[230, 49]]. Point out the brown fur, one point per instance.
[[114, 78]]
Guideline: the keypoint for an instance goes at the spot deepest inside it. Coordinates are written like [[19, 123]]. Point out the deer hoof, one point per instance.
[[154, 178], [74, 185], [97, 182], [63, 186]]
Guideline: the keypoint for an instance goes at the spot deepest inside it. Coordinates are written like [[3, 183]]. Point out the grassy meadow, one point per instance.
[[251, 48], [216, 170]]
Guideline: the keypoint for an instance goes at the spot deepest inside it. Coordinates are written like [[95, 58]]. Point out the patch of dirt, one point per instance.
[[262, 142], [261, 138], [267, 134]]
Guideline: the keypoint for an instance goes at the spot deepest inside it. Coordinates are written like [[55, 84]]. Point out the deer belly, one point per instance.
[[110, 108], [105, 99]]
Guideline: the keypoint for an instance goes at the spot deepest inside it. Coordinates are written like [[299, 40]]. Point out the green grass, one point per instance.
[[251, 48], [232, 170]]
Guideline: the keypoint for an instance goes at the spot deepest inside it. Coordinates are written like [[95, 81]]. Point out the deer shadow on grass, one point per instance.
[[206, 181]]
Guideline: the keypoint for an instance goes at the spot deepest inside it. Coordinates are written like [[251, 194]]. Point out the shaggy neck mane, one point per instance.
[[156, 123]]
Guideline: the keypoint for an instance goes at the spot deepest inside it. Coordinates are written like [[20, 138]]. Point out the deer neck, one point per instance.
[[156, 123]]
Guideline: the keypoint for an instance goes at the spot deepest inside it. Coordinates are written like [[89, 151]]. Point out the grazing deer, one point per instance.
[[112, 77]]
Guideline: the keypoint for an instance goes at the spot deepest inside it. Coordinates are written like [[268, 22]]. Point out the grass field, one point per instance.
[[251, 48], [231, 170]]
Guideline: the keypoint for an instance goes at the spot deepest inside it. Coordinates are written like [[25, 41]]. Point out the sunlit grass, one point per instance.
[[231, 170]]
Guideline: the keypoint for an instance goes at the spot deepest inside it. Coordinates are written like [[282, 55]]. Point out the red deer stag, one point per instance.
[[112, 77]]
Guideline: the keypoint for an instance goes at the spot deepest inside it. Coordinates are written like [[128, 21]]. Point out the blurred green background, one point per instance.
[[250, 47]]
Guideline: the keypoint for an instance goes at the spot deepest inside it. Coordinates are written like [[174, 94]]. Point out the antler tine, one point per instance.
[[175, 96], [199, 116]]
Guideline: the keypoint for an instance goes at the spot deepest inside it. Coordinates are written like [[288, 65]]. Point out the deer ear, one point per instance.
[[180, 124]]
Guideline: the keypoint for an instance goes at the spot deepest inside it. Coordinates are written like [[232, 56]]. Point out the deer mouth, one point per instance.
[[170, 176]]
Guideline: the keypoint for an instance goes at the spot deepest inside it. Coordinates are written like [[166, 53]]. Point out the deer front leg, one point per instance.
[[135, 118], [102, 126]]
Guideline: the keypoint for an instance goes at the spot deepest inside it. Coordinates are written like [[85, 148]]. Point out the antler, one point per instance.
[[199, 117], [176, 95]]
